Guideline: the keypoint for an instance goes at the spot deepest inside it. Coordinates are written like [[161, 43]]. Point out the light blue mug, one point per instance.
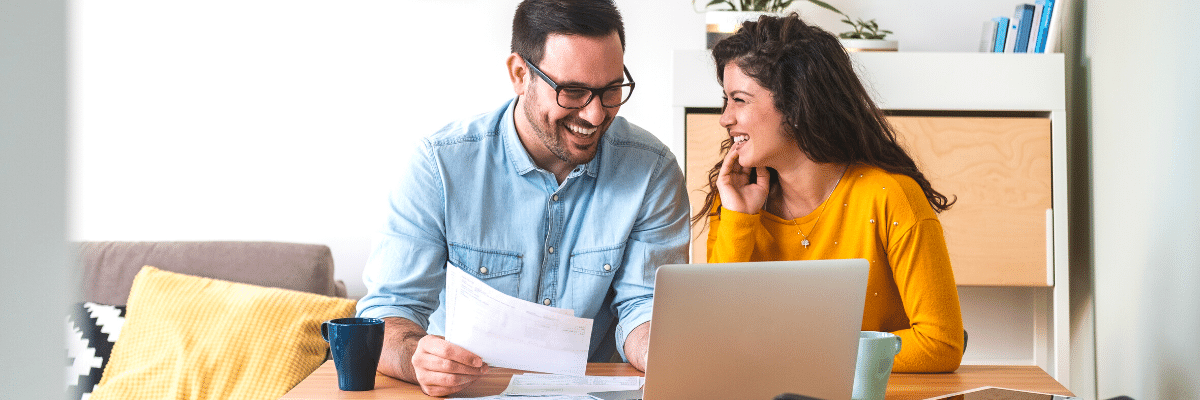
[[876, 352]]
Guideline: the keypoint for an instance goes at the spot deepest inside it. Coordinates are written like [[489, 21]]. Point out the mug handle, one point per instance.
[[898, 343], [325, 331]]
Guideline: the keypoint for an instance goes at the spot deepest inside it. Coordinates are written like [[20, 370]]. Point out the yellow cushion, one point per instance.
[[187, 337]]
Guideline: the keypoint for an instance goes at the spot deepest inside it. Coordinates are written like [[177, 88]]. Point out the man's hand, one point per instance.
[[443, 368], [637, 346], [438, 366]]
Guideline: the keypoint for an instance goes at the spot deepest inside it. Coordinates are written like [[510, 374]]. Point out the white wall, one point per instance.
[[286, 119], [1144, 115], [34, 261]]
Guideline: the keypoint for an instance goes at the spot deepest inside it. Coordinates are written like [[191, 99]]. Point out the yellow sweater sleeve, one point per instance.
[[731, 236], [933, 342]]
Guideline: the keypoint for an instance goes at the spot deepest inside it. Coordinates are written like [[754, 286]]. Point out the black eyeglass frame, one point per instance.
[[594, 92]]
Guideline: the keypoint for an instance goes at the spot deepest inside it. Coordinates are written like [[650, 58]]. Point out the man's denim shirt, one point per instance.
[[472, 198]]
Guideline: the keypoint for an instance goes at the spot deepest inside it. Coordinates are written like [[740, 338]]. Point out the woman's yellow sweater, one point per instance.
[[885, 219]]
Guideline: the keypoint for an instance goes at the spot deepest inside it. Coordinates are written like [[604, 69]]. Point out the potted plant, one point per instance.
[[866, 35], [724, 17]]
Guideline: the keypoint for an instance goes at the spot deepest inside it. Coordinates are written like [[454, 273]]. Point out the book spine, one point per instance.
[[987, 42], [1010, 38], [1049, 15], [1001, 33], [1035, 27], [1022, 19]]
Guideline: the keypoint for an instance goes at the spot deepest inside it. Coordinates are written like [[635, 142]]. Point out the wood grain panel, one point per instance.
[[703, 135], [998, 167]]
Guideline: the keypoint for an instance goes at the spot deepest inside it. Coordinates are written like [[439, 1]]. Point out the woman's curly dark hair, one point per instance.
[[825, 107]]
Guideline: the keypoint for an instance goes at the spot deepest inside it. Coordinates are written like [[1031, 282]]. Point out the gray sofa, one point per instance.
[[109, 267]]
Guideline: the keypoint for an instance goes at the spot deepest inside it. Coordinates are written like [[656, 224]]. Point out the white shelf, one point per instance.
[[917, 81]]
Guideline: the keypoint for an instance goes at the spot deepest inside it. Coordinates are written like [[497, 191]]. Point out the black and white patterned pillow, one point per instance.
[[92, 330]]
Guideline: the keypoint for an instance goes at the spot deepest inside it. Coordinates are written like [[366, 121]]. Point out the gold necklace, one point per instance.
[[800, 231]]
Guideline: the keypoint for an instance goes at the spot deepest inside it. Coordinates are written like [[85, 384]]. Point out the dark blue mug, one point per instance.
[[356, 344]]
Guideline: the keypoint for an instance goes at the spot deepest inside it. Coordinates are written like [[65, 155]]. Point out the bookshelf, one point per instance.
[[988, 127]]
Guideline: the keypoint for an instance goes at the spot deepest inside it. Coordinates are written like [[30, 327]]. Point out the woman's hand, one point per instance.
[[733, 184]]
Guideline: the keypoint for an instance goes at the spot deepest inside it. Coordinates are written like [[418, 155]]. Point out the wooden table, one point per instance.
[[322, 384]]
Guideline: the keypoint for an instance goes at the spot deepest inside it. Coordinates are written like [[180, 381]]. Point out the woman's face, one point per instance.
[[754, 123]]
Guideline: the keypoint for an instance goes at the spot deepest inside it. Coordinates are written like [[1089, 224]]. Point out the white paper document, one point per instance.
[[512, 333], [565, 396], [544, 384]]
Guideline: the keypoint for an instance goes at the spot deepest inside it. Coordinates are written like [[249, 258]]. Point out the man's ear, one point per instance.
[[518, 73]]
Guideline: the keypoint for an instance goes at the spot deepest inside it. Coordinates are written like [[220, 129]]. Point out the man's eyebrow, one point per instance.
[[582, 85]]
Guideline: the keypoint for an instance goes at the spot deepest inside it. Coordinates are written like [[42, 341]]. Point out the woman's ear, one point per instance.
[[518, 73]]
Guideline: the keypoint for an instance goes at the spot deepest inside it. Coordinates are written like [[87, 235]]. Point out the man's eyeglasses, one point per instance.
[[575, 97]]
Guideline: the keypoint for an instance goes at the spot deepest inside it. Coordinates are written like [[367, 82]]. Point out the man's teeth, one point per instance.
[[739, 139], [581, 131]]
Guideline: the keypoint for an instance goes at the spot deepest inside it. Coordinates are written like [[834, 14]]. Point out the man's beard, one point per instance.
[[547, 132]]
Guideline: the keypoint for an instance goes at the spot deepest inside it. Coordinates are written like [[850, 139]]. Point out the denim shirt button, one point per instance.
[[554, 198], [607, 267], [551, 249], [546, 301], [483, 270]]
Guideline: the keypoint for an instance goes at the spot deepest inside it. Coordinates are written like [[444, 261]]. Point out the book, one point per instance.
[[1022, 21], [1001, 33], [1010, 41], [987, 42], [1051, 15], [1035, 27]]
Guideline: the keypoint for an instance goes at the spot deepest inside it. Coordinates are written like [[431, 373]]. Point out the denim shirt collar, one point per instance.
[[522, 162]]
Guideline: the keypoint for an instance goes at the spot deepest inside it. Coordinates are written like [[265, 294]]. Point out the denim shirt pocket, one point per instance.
[[498, 268], [599, 262]]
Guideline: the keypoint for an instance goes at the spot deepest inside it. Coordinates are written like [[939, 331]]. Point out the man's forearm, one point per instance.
[[637, 343], [400, 337]]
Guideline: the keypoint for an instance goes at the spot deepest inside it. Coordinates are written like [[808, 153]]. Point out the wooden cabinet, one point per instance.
[[999, 169], [987, 128]]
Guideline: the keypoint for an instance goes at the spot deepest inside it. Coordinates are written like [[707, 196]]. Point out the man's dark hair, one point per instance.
[[537, 19]]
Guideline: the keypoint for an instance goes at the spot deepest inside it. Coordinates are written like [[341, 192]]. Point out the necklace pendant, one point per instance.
[[805, 243]]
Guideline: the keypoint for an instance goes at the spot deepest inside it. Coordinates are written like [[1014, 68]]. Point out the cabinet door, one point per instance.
[[703, 136], [998, 167]]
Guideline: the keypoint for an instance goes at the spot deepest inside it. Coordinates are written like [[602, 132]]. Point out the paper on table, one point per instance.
[[565, 396], [551, 384], [512, 333]]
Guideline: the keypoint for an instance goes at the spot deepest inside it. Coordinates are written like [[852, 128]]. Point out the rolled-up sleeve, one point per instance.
[[659, 237], [405, 272]]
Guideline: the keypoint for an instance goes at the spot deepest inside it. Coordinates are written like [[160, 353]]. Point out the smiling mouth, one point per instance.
[[581, 131], [740, 139]]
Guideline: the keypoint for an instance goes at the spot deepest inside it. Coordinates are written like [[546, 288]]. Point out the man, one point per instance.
[[551, 199]]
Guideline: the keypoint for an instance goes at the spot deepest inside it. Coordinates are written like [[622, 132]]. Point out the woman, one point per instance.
[[812, 170]]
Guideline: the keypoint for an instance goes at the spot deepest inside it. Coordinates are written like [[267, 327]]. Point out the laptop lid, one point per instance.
[[756, 330]]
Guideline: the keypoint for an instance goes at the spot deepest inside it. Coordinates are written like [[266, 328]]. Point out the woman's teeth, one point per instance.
[[740, 139]]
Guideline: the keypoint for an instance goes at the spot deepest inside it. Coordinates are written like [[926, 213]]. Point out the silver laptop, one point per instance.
[[756, 330]]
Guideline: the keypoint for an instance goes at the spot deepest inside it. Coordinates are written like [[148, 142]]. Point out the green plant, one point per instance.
[[862, 29]]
